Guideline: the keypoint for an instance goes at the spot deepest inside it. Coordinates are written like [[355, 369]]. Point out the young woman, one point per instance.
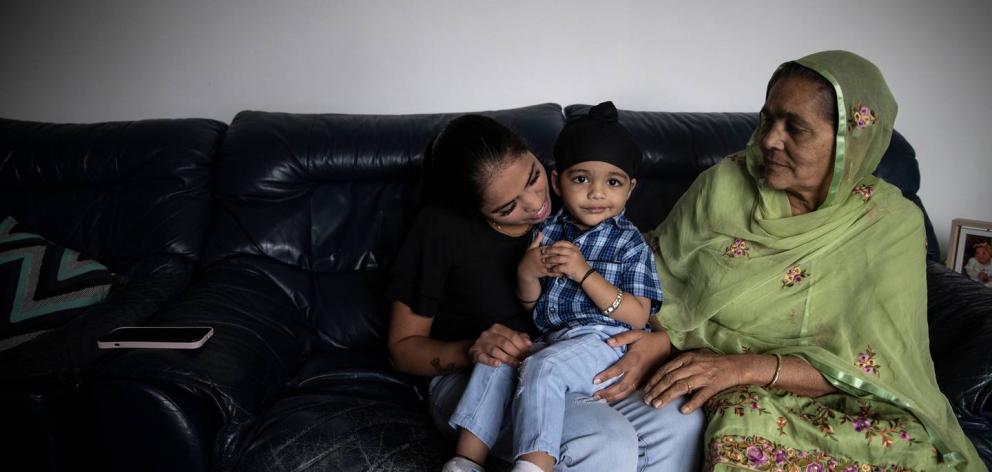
[[453, 287]]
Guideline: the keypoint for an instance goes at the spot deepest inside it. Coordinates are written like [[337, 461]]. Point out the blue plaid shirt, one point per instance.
[[617, 251]]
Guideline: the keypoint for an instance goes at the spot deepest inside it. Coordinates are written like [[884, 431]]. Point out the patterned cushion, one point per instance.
[[43, 284]]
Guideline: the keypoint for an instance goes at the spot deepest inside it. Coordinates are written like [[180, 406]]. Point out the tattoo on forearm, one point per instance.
[[443, 370]]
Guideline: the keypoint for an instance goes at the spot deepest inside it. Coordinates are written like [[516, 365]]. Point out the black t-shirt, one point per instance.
[[462, 273]]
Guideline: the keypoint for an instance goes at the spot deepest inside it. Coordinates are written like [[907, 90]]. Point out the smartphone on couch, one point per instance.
[[156, 337]]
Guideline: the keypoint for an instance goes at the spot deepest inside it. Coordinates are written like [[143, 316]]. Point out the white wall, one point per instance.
[[95, 60]]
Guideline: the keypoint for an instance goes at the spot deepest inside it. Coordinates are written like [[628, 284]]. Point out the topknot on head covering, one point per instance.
[[597, 136]]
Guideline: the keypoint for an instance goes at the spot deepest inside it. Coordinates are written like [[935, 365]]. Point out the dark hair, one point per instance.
[[827, 97], [462, 159]]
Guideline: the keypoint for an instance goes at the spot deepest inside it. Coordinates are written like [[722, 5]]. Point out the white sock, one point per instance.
[[524, 466], [462, 464]]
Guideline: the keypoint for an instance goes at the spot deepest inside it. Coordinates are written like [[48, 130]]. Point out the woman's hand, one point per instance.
[[500, 345], [703, 372], [644, 351]]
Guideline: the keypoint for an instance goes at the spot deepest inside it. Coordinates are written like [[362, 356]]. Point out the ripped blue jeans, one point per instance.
[[561, 363]]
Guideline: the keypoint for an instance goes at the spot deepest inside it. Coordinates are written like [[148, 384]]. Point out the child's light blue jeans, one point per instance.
[[563, 362]]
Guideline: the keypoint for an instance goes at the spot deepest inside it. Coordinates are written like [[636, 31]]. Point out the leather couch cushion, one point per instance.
[[332, 196], [338, 369], [113, 191], [352, 430], [348, 411], [959, 312]]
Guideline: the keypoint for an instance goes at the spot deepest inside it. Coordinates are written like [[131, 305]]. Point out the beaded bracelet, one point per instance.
[[616, 303], [778, 370]]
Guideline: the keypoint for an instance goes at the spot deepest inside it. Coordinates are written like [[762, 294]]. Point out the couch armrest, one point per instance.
[[345, 422], [260, 338], [960, 318], [182, 425], [42, 394]]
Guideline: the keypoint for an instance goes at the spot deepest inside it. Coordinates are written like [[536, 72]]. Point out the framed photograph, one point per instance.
[[970, 251]]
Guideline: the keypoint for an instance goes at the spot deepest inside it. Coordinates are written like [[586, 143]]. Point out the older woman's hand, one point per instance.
[[500, 345], [703, 372], [644, 351]]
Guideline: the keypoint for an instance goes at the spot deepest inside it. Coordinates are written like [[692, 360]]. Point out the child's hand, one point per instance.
[[531, 266], [564, 258]]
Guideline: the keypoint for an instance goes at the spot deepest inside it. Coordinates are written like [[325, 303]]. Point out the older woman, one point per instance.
[[795, 280]]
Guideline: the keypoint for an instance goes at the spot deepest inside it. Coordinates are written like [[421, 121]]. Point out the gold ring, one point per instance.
[[688, 387]]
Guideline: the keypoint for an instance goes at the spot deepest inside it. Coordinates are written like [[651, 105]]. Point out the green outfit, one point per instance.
[[842, 287]]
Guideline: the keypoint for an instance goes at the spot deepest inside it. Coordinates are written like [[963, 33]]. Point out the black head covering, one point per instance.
[[597, 136]]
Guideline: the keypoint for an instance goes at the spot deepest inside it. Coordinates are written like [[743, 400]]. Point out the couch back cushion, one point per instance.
[[333, 195], [678, 146], [115, 192]]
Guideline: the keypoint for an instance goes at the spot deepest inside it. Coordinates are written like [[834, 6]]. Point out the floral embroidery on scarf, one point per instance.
[[866, 422], [781, 423], [758, 453], [864, 191], [738, 248], [870, 424], [862, 116], [866, 361], [820, 418], [741, 401], [793, 276]]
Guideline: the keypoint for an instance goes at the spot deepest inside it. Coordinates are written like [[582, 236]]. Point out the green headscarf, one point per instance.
[[842, 287]]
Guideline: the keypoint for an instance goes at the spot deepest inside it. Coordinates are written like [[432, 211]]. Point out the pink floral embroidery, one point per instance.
[[862, 116], [793, 276], [866, 361], [871, 425], [742, 400], [737, 249], [861, 424], [864, 191], [758, 453], [763, 454]]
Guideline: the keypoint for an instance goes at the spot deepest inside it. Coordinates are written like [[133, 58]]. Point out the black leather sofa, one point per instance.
[[134, 196], [309, 212]]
